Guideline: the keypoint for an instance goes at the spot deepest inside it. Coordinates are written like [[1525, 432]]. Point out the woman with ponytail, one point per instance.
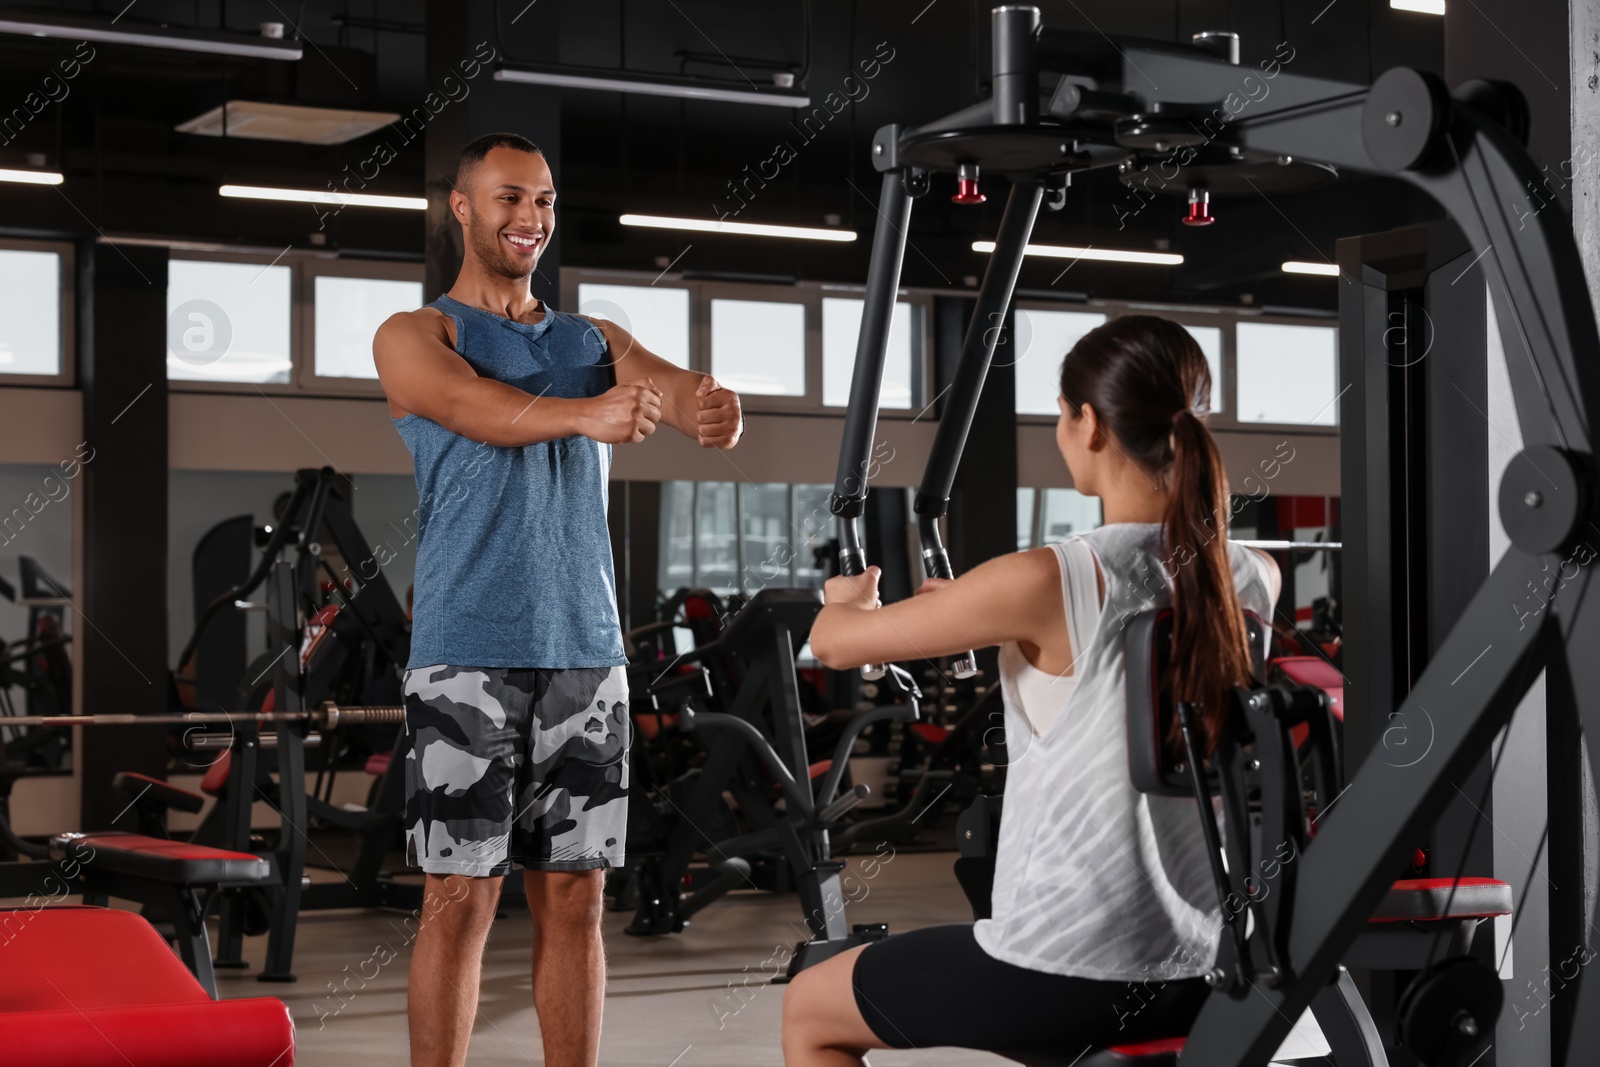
[[1103, 913]]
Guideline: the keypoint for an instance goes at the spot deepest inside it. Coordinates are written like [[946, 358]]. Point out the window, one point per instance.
[[1024, 519], [677, 536], [841, 330], [30, 296], [348, 311], [658, 317], [759, 346], [1067, 513], [1043, 339], [1209, 339], [716, 537], [739, 537], [813, 528], [228, 322], [1287, 374], [765, 551]]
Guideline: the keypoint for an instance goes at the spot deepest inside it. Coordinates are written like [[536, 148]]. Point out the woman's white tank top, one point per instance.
[[1093, 878]]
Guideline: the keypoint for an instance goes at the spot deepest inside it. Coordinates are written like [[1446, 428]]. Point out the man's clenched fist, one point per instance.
[[718, 418], [624, 414]]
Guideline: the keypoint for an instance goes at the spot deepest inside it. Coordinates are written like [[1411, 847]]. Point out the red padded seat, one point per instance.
[[87, 987], [156, 858], [819, 768], [1314, 671], [142, 785], [932, 733], [1424, 899], [378, 763]]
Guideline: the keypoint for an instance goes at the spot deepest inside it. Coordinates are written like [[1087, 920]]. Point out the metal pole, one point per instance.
[[861, 417], [977, 352], [327, 716]]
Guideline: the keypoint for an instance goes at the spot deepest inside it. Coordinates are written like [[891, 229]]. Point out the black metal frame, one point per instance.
[[1407, 127], [761, 739], [316, 504]]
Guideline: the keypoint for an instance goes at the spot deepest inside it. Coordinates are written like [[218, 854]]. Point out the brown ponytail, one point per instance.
[[1210, 649], [1149, 383]]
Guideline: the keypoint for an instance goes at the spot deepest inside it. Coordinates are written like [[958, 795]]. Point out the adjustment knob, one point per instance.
[[967, 186], [1199, 209]]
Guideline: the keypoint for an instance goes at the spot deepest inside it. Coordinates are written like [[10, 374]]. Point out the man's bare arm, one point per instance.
[[423, 375], [694, 404]]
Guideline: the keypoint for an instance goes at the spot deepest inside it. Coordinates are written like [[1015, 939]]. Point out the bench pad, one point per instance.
[[136, 1003], [156, 858]]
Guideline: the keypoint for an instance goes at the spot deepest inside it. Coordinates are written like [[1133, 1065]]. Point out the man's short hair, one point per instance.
[[479, 147]]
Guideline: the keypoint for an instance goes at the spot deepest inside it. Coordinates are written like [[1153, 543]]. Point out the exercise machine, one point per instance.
[[1065, 102], [758, 740]]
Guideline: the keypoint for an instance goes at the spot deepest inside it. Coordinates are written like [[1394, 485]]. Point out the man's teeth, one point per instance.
[[522, 242]]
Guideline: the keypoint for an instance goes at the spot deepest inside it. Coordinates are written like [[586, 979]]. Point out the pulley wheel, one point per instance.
[[1448, 1012]]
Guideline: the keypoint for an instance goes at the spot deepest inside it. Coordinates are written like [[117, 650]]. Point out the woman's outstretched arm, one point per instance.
[[1011, 598]]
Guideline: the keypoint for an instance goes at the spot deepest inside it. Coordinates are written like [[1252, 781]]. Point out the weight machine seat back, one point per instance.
[[1147, 648], [139, 1002], [1155, 768]]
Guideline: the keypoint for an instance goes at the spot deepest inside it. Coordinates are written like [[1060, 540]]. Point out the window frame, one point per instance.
[[1225, 318], [810, 295], [921, 303], [767, 293], [1032, 304], [66, 303], [304, 292], [1331, 429], [289, 388]]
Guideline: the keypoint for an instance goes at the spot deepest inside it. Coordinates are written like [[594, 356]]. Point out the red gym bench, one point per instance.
[[84, 986]]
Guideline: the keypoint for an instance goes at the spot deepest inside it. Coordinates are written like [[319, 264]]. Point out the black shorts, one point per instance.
[[938, 987]]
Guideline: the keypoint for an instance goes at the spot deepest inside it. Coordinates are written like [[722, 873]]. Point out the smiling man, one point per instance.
[[516, 697]]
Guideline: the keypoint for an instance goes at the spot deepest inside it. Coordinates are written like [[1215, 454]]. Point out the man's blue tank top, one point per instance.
[[513, 554]]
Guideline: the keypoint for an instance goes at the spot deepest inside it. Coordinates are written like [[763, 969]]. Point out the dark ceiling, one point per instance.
[[127, 171]]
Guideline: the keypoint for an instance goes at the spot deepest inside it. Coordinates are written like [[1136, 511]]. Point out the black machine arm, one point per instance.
[[1467, 156], [849, 498]]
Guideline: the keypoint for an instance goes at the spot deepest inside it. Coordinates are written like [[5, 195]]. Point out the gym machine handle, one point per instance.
[[690, 720], [907, 712], [842, 806]]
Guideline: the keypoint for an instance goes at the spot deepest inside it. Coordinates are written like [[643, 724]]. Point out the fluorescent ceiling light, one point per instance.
[[754, 229], [31, 177], [1109, 255], [1426, 7], [313, 196], [287, 122], [649, 85], [212, 42], [1331, 270]]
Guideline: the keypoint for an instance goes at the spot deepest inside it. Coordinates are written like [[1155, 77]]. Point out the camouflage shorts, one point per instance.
[[525, 766]]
